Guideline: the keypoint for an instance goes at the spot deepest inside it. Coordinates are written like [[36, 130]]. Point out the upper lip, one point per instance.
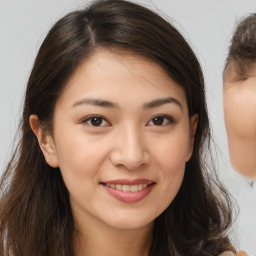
[[128, 182]]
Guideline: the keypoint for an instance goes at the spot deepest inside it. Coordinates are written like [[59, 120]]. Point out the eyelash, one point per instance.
[[166, 120], [89, 120]]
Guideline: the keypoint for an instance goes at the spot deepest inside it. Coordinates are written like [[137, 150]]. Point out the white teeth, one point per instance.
[[134, 188], [118, 187], [127, 188]]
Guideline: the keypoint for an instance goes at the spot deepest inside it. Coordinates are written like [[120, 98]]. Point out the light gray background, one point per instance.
[[207, 24]]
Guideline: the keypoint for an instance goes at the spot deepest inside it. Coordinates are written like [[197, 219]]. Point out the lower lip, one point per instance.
[[129, 197]]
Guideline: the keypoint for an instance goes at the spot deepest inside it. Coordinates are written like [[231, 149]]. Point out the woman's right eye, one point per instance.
[[97, 121]]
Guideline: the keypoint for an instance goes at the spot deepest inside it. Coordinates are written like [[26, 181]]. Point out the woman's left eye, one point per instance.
[[96, 121], [161, 120]]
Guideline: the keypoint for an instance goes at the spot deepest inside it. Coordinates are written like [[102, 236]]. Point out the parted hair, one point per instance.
[[242, 50], [35, 213]]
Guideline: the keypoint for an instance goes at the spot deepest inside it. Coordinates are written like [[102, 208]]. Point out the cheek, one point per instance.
[[80, 162], [172, 161], [240, 113], [171, 156], [79, 156]]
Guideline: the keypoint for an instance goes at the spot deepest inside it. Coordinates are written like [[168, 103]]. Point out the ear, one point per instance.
[[45, 141], [193, 125]]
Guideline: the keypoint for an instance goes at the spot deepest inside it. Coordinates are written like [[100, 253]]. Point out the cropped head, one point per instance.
[[240, 97], [114, 128]]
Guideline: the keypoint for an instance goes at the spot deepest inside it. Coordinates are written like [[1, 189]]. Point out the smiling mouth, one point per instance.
[[129, 191], [128, 188]]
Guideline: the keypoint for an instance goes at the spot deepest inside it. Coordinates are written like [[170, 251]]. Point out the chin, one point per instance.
[[128, 222]]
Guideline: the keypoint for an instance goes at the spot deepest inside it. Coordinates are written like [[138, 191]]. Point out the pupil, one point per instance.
[[158, 120], [96, 121]]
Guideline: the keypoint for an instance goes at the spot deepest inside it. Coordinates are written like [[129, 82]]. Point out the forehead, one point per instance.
[[116, 74]]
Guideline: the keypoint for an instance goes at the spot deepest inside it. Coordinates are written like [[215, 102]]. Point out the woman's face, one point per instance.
[[121, 138], [240, 119]]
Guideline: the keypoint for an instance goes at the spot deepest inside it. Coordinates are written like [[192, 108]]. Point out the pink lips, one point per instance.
[[129, 197]]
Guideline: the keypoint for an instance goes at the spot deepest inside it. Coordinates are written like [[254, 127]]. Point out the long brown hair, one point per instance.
[[35, 213]]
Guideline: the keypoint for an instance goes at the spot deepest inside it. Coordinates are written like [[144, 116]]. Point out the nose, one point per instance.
[[130, 150]]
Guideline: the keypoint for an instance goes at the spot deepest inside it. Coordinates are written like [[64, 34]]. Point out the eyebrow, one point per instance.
[[106, 103], [160, 102], [96, 102]]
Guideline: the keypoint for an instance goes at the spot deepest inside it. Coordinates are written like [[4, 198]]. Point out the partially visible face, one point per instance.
[[240, 119], [122, 137]]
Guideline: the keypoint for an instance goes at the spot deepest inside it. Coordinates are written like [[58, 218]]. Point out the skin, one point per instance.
[[240, 120], [127, 145]]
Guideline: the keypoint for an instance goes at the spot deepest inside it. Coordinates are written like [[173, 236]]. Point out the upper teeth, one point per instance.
[[127, 188]]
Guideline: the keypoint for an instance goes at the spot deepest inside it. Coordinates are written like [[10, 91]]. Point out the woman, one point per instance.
[[114, 133], [240, 90], [240, 119]]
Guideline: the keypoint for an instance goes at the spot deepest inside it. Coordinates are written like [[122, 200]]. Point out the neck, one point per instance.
[[109, 241]]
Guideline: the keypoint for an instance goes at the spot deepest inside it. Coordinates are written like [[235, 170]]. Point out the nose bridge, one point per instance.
[[134, 142], [131, 151]]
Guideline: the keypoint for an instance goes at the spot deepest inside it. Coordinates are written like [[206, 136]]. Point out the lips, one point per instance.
[[129, 191]]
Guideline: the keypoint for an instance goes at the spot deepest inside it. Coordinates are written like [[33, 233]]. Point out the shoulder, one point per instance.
[[227, 253], [230, 253], [242, 253]]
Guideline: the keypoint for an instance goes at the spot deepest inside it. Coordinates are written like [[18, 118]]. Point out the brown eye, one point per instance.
[[96, 121], [159, 120]]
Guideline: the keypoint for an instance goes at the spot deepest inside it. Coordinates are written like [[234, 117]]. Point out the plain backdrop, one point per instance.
[[206, 24]]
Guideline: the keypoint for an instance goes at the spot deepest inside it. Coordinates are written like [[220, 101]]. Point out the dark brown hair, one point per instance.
[[242, 50], [35, 213]]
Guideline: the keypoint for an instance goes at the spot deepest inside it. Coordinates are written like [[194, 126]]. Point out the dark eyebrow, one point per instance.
[[159, 102], [106, 103], [97, 102]]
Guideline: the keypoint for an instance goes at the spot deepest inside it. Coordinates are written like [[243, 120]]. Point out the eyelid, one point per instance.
[[169, 119], [89, 118]]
